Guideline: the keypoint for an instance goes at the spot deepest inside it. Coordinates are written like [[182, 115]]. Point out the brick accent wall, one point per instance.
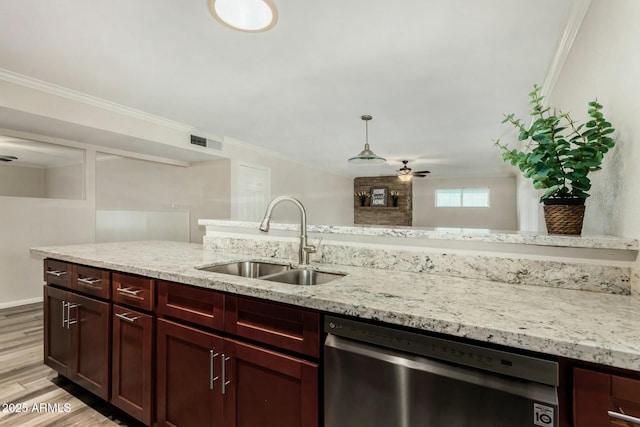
[[389, 215]]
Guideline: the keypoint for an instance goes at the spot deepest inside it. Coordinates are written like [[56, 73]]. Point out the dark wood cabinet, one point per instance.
[[268, 388], [201, 307], [92, 281], [132, 363], [208, 359], [77, 338], [189, 376], [133, 291], [605, 399], [90, 321], [285, 327], [57, 338]]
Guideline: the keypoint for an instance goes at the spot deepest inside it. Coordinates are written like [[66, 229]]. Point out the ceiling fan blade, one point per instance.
[[421, 172]]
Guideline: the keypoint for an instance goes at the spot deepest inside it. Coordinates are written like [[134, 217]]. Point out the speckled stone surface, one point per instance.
[[589, 326], [479, 235], [591, 276]]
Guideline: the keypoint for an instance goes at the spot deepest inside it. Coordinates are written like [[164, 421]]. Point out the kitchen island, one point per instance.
[[593, 329], [588, 326]]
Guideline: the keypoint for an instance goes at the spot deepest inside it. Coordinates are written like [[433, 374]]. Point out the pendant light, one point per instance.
[[367, 156], [245, 15]]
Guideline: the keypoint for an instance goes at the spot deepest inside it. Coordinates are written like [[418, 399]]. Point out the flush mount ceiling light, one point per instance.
[[367, 156], [245, 15]]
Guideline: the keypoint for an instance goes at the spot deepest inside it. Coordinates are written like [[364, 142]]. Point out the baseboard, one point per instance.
[[10, 304]]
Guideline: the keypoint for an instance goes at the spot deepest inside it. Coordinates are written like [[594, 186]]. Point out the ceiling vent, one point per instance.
[[206, 143]]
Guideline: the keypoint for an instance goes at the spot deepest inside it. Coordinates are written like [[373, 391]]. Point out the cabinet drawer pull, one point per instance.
[[57, 273], [225, 383], [91, 281], [125, 317], [128, 291], [624, 417], [212, 379]]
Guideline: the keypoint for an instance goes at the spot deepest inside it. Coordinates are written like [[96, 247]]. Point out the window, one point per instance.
[[462, 197]]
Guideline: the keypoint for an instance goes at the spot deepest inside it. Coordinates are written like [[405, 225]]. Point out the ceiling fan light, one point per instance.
[[405, 178], [245, 15]]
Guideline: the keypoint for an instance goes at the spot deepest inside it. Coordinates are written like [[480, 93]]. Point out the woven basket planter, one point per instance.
[[564, 218]]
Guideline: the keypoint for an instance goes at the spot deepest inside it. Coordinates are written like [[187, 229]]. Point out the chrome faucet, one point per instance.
[[305, 248]]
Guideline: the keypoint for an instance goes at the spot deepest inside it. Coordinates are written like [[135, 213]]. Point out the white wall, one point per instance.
[[21, 181], [327, 197], [604, 63], [65, 182], [500, 215], [127, 184], [29, 222]]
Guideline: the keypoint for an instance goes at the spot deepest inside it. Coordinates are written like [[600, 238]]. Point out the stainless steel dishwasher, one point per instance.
[[380, 376]]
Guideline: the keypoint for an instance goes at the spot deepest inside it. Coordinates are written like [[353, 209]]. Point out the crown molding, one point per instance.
[[576, 12], [40, 85]]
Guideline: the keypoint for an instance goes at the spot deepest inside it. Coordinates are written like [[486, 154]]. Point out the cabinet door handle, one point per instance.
[[225, 383], [64, 312], [57, 273], [212, 379], [128, 291], [91, 281], [69, 321], [124, 316], [624, 417]]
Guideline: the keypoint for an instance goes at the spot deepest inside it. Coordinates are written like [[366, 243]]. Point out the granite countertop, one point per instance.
[[588, 326], [444, 233]]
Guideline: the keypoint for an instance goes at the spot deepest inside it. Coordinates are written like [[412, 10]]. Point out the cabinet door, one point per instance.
[[132, 363], [57, 338], [90, 322], [188, 376], [268, 389], [591, 397]]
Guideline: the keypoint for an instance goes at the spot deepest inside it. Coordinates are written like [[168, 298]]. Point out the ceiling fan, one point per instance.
[[4, 158], [405, 173]]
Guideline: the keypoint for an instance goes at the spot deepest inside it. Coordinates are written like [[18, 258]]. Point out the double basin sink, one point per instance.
[[282, 273]]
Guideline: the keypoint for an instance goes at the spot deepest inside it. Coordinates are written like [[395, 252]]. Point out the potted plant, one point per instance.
[[362, 196], [558, 158]]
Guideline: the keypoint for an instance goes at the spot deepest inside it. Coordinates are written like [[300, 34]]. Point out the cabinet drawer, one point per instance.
[[92, 281], [134, 291], [58, 272], [195, 305], [625, 389], [279, 325]]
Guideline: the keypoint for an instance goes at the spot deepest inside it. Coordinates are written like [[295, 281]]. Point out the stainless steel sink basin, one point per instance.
[[247, 268], [303, 277]]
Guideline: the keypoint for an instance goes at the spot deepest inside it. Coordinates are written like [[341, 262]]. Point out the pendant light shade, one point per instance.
[[245, 15], [367, 156]]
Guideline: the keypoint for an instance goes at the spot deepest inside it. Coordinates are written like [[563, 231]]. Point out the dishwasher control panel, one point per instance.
[[502, 362]]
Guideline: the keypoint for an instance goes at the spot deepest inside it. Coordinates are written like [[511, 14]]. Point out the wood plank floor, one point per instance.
[[28, 385]]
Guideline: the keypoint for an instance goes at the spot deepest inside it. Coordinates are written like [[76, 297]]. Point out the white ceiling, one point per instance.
[[435, 74]]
